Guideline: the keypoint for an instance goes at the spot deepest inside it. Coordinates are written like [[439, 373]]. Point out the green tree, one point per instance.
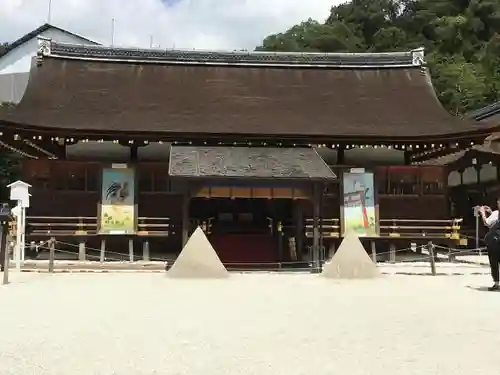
[[491, 63], [312, 36], [458, 83], [462, 47]]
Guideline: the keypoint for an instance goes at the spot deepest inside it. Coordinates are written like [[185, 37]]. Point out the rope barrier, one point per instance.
[[90, 256], [284, 266], [125, 255], [233, 264]]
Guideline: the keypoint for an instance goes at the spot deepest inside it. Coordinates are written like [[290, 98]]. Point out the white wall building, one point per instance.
[[15, 62]]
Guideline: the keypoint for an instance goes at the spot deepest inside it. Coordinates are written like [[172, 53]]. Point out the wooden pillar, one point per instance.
[[185, 219], [407, 156], [321, 213], [478, 168], [134, 153], [341, 156], [279, 233], [299, 229], [316, 234]]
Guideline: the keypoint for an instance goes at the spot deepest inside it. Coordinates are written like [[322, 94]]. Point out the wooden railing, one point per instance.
[[398, 228], [412, 228], [47, 226], [330, 228]]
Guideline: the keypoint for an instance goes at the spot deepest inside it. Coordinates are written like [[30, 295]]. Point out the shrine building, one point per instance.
[[274, 155]]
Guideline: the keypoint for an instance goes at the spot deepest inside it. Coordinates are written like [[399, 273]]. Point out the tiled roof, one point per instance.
[[248, 162], [186, 95], [485, 112]]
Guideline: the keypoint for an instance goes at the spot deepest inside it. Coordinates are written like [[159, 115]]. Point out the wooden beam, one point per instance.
[[17, 150], [39, 149], [420, 156]]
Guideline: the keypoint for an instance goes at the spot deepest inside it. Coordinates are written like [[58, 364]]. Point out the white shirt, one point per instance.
[[492, 219]]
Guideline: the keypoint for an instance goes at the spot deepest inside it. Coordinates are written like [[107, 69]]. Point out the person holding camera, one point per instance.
[[492, 239]]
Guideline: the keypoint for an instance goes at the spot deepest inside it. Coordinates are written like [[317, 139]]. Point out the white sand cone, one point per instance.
[[351, 261], [198, 259]]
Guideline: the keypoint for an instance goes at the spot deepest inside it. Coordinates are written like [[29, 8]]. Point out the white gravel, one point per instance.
[[72, 324]]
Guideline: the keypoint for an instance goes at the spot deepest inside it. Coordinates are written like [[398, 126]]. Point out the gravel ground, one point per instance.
[[72, 324]]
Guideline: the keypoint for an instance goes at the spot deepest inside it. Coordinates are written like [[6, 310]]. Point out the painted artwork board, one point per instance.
[[117, 210], [359, 213]]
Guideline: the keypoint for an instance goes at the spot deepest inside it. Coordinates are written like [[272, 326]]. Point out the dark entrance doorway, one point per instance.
[[245, 232]]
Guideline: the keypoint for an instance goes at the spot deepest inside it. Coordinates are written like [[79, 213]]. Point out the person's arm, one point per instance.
[[492, 219], [482, 212]]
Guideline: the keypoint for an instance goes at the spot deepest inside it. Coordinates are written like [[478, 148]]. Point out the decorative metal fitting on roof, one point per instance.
[[44, 48], [418, 56]]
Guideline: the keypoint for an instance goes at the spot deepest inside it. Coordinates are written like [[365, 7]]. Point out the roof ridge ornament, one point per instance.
[[44, 49], [418, 56]]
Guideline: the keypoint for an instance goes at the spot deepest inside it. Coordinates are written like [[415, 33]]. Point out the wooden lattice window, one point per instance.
[[404, 180], [433, 180]]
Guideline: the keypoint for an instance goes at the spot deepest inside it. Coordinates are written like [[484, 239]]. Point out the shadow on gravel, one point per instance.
[[481, 288]]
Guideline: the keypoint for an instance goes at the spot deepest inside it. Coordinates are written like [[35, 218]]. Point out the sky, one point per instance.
[[200, 24]]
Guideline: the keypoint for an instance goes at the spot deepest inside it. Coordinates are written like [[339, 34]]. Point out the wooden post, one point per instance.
[[392, 253], [52, 254], [281, 252], [374, 251], [315, 249], [185, 220], [33, 249], [131, 249], [6, 260], [145, 250], [299, 229], [451, 255], [82, 256], [321, 257], [430, 247], [103, 250]]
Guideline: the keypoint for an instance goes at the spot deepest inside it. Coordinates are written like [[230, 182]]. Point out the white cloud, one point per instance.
[[207, 24]]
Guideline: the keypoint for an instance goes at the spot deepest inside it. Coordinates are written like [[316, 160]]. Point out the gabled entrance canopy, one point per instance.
[[249, 163]]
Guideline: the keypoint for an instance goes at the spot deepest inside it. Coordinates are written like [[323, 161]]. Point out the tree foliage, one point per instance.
[[460, 37]]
